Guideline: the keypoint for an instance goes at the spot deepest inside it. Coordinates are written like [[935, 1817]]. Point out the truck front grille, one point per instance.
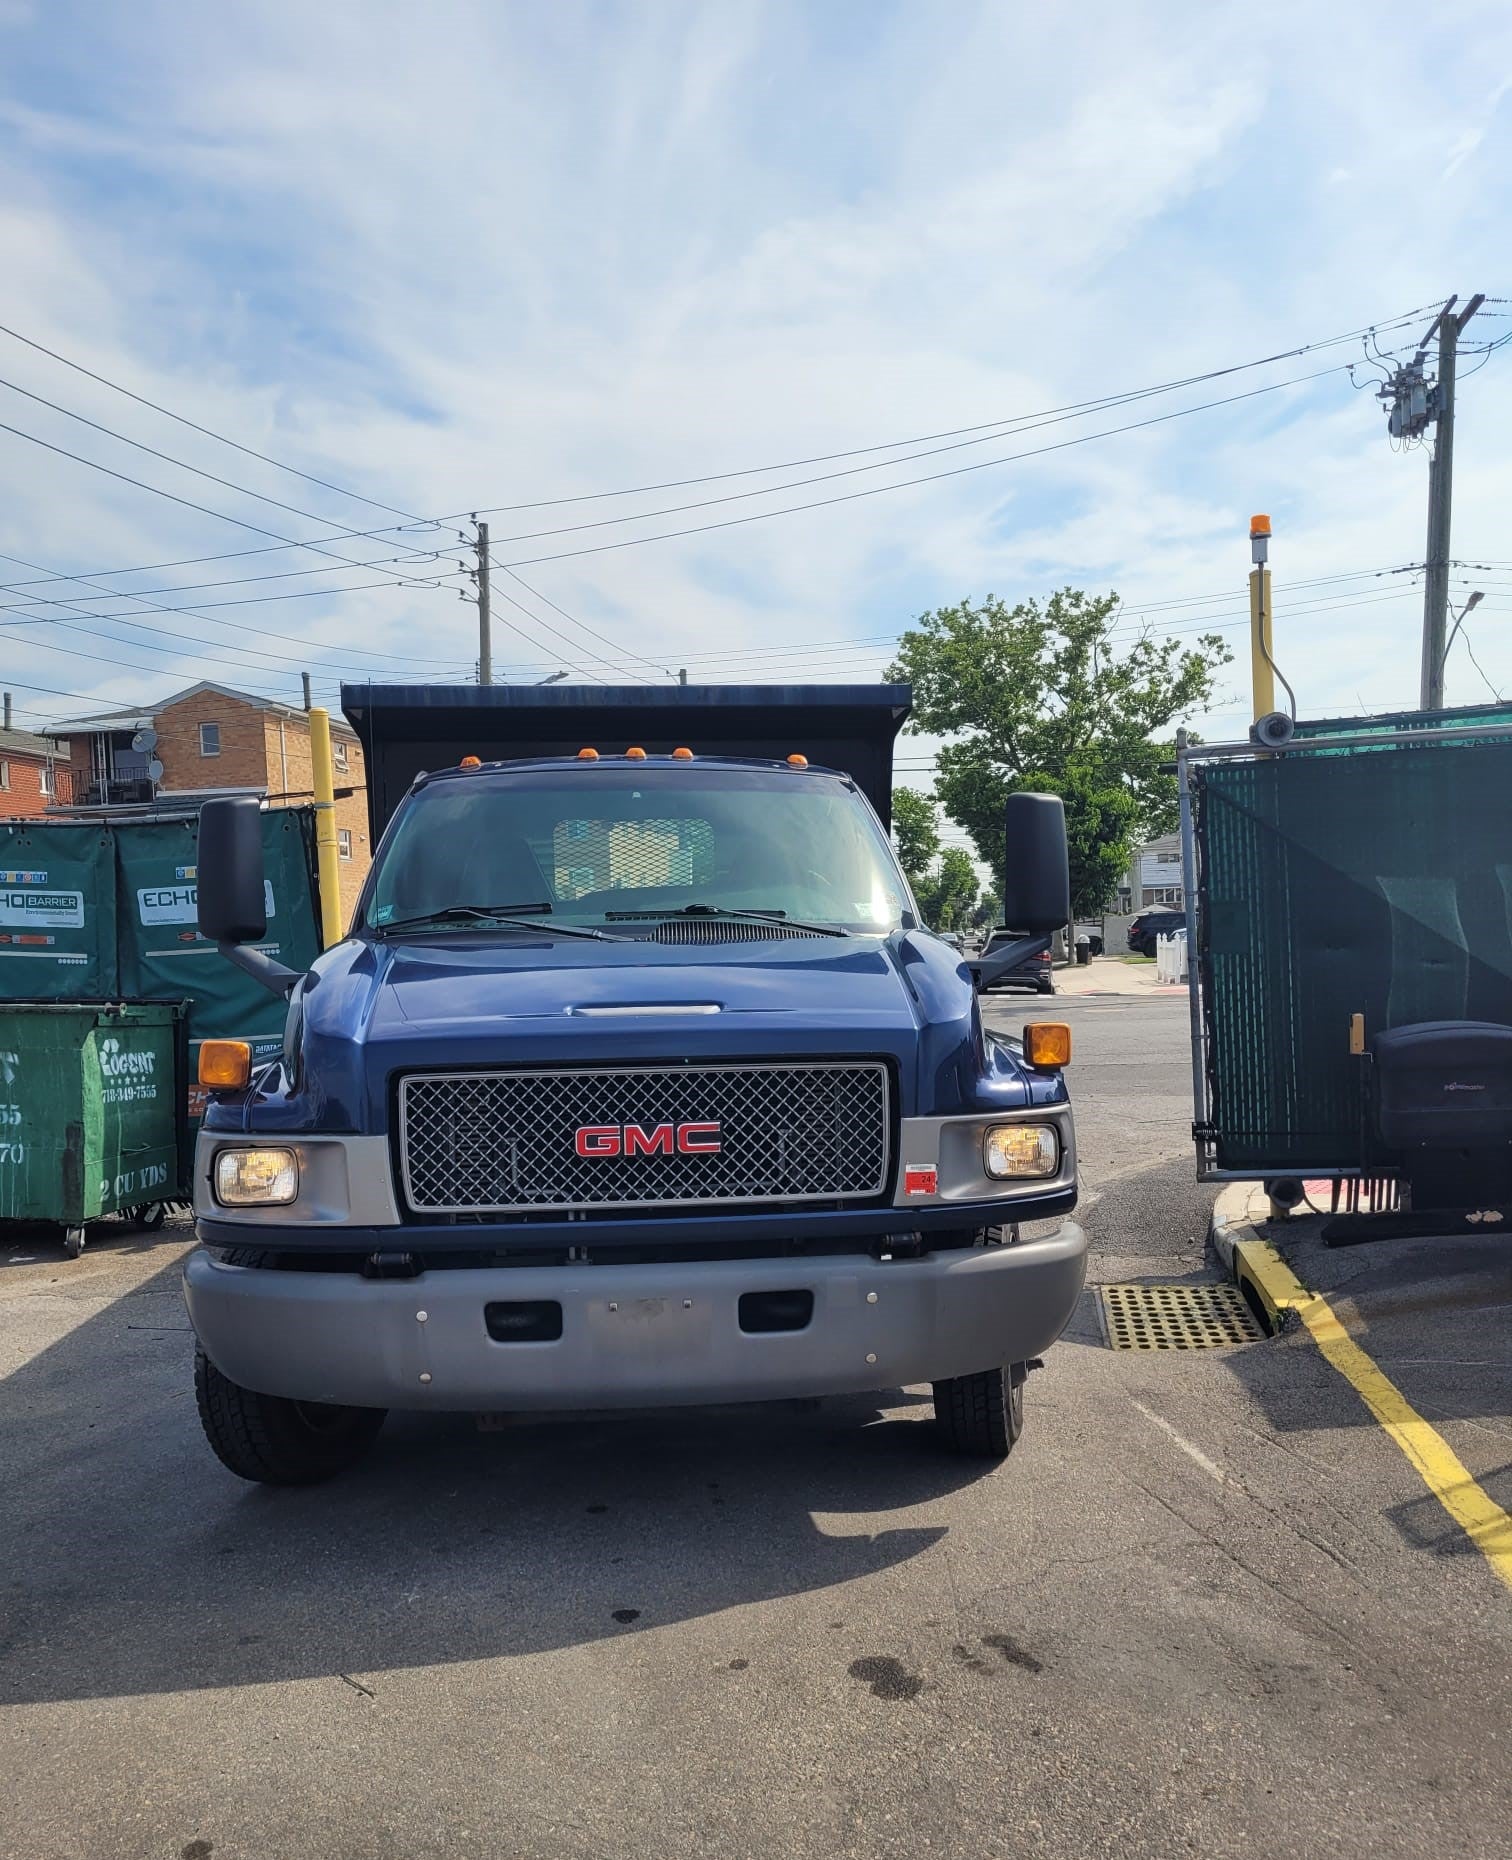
[[637, 1137]]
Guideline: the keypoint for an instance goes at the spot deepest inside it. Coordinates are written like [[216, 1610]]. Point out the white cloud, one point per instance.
[[475, 255]]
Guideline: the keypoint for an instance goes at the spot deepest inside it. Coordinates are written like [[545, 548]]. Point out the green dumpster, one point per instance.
[[91, 1112]]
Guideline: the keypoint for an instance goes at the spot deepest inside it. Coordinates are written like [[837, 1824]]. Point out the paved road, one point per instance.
[[1204, 1608]]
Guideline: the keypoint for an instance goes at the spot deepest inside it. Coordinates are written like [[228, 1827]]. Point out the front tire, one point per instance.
[[274, 1441], [981, 1416]]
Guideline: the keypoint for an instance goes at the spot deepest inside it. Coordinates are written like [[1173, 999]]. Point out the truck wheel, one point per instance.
[[278, 1442], [982, 1415]]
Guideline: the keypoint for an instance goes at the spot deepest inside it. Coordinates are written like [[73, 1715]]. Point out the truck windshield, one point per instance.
[[600, 845]]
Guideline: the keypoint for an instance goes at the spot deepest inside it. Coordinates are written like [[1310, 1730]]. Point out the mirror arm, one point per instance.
[[261, 967], [985, 973]]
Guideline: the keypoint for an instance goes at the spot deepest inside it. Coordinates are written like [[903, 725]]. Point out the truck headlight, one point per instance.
[[255, 1178], [1021, 1149]]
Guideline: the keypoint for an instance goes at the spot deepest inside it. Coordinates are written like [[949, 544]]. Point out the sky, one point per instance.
[[460, 257]]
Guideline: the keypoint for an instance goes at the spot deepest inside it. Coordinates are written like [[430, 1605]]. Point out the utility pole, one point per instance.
[[1440, 500], [1413, 404], [304, 679], [485, 641], [682, 676]]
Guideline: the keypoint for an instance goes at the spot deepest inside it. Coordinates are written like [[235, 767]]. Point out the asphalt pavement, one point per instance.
[[1197, 1612]]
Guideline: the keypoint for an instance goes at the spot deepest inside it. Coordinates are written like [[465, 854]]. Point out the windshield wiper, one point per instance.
[[501, 916], [733, 910]]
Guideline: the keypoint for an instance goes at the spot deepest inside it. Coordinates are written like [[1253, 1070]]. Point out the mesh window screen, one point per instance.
[[629, 855]]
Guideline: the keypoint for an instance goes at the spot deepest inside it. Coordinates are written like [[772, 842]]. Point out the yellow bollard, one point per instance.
[[327, 859]]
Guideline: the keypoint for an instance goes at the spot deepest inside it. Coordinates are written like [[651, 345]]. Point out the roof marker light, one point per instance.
[[470, 762], [682, 755], [797, 762], [587, 755], [635, 755]]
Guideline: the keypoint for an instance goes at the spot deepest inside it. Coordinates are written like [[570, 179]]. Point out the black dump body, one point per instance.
[[405, 729]]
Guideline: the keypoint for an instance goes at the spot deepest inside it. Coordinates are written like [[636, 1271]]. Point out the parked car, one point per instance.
[[1033, 972], [1151, 924]]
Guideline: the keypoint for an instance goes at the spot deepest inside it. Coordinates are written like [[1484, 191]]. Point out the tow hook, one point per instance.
[[390, 1266], [898, 1246]]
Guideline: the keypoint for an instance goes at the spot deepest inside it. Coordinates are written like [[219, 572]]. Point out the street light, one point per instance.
[[1477, 596]]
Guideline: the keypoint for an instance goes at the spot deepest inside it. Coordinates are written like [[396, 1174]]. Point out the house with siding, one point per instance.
[[28, 769]]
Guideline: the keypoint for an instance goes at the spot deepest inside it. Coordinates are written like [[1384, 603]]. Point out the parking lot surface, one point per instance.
[[1206, 1607]]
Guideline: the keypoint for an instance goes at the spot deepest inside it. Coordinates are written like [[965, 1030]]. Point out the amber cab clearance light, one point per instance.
[[470, 762], [224, 1065], [797, 762], [635, 755], [587, 755], [1047, 1043], [682, 755]]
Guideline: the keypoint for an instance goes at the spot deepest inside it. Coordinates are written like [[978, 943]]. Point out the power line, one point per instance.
[[986, 427], [189, 612], [173, 497], [235, 581], [237, 555], [338, 535], [582, 625], [167, 457], [194, 426], [734, 497], [904, 484]]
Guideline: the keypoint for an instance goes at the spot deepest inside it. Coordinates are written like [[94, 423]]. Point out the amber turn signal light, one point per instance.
[[224, 1065], [1047, 1043]]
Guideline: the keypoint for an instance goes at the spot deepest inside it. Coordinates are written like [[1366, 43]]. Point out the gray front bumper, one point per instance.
[[633, 1336]]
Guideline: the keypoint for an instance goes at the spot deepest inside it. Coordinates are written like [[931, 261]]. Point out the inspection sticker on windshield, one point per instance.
[[918, 1180]]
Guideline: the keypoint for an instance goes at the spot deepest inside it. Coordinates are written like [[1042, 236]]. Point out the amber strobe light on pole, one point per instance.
[[1262, 674]]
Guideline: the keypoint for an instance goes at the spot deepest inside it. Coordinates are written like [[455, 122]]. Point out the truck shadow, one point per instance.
[[134, 1563]]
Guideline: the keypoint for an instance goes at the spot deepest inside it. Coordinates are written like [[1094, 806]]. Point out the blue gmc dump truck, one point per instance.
[[637, 1081]]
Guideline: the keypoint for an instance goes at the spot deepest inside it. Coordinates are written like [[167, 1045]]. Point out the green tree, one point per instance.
[[916, 833], [1045, 696], [987, 910], [949, 893]]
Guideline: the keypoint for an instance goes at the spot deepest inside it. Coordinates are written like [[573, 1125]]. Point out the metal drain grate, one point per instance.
[[1177, 1317]]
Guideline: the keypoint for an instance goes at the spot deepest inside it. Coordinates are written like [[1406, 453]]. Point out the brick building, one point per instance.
[[211, 740], [28, 770]]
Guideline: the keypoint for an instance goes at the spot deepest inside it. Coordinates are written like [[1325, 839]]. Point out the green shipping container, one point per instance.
[[91, 1110]]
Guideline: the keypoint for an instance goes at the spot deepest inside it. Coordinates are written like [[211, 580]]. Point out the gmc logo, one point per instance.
[[636, 1140]]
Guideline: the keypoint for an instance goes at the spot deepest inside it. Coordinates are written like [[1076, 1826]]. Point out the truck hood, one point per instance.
[[463, 999]]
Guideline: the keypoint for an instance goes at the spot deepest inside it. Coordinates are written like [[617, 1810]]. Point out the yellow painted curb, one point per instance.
[[1436, 1463]]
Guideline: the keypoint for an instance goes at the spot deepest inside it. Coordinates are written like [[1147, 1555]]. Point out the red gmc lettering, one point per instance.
[[691, 1139], [642, 1142], [598, 1140]]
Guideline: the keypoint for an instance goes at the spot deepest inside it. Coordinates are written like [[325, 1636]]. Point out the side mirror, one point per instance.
[[232, 911], [231, 907], [1037, 864]]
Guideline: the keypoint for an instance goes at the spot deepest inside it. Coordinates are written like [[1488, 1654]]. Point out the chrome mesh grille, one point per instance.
[[498, 1142]]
